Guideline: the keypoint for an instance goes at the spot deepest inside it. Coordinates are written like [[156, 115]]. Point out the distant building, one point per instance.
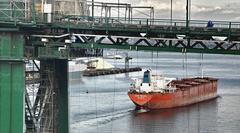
[[71, 7], [66, 7]]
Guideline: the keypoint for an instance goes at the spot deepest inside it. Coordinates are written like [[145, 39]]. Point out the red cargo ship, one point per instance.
[[156, 92]]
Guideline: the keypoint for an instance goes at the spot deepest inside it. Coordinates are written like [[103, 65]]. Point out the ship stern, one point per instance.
[[140, 99]]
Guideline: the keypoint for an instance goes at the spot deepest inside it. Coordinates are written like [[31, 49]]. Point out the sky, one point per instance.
[[226, 10]]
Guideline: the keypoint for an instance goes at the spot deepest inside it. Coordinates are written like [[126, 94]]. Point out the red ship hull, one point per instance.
[[189, 91]]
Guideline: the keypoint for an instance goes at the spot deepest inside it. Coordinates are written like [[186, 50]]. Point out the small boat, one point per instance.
[[113, 57], [82, 64], [157, 92]]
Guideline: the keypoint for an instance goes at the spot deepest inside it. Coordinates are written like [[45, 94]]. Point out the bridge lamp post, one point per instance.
[[92, 9], [190, 7], [118, 9], [171, 12], [188, 4], [187, 14]]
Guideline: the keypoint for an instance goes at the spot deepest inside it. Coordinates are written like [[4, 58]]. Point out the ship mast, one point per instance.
[[201, 65]]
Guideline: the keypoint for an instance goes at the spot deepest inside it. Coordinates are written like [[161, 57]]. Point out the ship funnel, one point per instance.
[[147, 77]]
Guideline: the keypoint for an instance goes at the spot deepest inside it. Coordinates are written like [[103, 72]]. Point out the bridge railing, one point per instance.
[[17, 11], [145, 22]]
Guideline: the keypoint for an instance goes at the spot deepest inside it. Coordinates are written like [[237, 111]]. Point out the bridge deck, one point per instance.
[[133, 27]]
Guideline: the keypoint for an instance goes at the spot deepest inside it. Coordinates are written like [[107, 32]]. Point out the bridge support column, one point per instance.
[[61, 68], [12, 83], [54, 97]]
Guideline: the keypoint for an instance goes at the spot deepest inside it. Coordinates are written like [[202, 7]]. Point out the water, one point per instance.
[[101, 105]]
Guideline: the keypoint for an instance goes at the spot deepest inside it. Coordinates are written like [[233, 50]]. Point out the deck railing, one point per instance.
[[145, 22], [20, 11]]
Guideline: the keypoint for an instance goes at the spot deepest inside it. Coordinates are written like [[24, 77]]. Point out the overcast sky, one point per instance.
[[228, 10]]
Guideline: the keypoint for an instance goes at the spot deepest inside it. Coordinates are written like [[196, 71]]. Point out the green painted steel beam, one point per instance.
[[53, 49], [152, 31], [33, 11], [129, 29], [58, 78], [61, 69], [12, 46], [52, 53], [9, 29], [12, 83], [152, 48]]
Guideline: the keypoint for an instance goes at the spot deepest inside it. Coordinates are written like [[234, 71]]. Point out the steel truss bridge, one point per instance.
[[54, 38]]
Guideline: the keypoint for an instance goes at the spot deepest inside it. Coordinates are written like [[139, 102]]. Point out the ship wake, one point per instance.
[[100, 119]]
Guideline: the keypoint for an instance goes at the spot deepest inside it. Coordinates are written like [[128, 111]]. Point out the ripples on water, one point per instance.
[[106, 107]]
